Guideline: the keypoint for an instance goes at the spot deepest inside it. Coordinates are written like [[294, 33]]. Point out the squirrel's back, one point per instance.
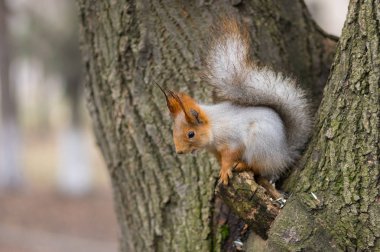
[[229, 68], [257, 131]]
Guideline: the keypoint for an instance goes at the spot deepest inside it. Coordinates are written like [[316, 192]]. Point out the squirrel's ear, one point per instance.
[[171, 101], [182, 102], [187, 105], [173, 106], [196, 116]]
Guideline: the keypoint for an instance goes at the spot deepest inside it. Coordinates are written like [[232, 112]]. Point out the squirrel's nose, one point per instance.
[[179, 152]]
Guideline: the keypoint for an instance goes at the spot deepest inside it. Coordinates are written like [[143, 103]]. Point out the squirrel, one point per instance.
[[262, 124]]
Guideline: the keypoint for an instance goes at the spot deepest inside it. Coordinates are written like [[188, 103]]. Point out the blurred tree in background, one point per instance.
[[45, 60], [53, 39], [10, 151]]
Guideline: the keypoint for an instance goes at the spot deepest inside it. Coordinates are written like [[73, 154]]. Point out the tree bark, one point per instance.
[[341, 164], [163, 202]]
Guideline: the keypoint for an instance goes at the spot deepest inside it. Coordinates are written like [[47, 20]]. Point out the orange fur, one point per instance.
[[173, 106], [188, 103], [180, 106], [232, 159], [227, 158], [239, 80], [186, 121]]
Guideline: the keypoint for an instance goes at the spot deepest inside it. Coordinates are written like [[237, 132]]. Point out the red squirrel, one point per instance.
[[263, 122]]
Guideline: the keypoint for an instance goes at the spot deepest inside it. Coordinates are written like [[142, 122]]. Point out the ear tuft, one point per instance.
[[173, 106], [171, 101]]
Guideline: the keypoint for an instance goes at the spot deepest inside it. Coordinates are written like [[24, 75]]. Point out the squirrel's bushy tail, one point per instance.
[[229, 68]]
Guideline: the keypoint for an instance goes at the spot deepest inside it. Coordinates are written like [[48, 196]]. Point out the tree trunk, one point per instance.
[[163, 202], [341, 165], [10, 167]]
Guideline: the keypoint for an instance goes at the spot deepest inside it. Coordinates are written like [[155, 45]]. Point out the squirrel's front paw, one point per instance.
[[225, 175]]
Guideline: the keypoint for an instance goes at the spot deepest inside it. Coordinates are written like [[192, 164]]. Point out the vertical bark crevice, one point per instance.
[[341, 163]]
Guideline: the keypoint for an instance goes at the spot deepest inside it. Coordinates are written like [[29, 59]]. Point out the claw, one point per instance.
[[280, 202], [229, 173], [238, 244], [224, 176], [222, 181]]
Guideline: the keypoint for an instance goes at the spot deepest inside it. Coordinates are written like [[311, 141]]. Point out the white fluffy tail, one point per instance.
[[236, 78]]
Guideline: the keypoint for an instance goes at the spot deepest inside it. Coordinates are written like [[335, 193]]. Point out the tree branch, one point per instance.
[[249, 201]]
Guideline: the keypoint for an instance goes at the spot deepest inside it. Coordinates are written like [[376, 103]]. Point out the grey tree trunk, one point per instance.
[[341, 164], [10, 151], [167, 203]]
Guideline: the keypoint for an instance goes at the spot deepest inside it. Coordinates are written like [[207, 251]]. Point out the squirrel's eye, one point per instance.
[[191, 134]]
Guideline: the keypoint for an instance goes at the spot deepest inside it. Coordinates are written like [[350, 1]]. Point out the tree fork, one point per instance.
[[163, 202], [336, 195]]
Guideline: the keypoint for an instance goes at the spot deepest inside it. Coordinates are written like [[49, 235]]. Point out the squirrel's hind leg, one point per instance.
[[241, 166], [269, 187]]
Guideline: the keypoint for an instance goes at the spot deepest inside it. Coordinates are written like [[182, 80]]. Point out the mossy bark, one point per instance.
[[163, 202], [249, 201], [341, 164]]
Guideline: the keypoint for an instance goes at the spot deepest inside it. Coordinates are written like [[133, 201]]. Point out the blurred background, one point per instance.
[[55, 194]]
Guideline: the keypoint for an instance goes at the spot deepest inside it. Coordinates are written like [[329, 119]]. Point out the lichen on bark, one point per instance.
[[163, 202], [341, 163]]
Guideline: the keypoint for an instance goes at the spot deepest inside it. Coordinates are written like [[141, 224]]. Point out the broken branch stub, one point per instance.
[[249, 201]]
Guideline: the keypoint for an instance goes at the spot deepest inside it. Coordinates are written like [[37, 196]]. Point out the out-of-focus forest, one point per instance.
[[55, 194], [54, 190]]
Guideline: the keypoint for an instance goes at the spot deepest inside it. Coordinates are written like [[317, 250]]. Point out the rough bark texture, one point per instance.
[[341, 165], [163, 202], [249, 201]]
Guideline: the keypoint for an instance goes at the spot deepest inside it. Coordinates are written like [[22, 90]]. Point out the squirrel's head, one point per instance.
[[191, 129]]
